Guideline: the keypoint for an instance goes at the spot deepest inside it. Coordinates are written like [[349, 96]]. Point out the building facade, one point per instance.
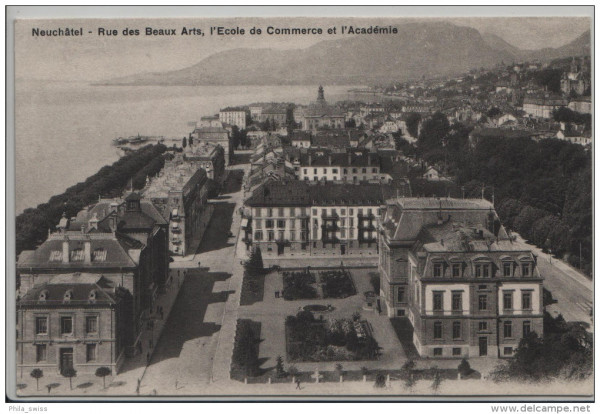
[[180, 194], [215, 136], [466, 287], [296, 218], [75, 320], [542, 107], [233, 116], [319, 115]]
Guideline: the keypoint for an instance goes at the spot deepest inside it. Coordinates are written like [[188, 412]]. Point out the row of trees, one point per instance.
[[32, 225], [542, 189], [70, 373]]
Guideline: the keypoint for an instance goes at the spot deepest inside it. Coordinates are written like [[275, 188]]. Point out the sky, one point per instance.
[[94, 58]]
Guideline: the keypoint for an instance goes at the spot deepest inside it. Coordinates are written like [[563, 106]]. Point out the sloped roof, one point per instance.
[[79, 285]]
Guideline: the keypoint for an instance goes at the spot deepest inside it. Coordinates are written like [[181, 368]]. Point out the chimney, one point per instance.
[[309, 159], [65, 251], [329, 159], [87, 251]]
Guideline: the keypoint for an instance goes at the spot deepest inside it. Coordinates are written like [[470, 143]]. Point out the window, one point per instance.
[[343, 233], [66, 325], [90, 352], [507, 269], [456, 351], [507, 299], [456, 330], [457, 301], [292, 211], [41, 353], [303, 236], [375, 170], [456, 270], [364, 170], [526, 269], [401, 295], [335, 171], [526, 328], [482, 302], [437, 330], [41, 325], [482, 287], [507, 329], [280, 235], [437, 351], [269, 224], [305, 171], [438, 301], [351, 221], [91, 324], [258, 235], [324, 170], [56, 256], [508, 351], [271, 235], [477, 270], [292, 235], [314, 212], [281, 214], [526, 300], [483, 326], [281, 224], [351, 212], [99, 255], [437, 270], [269, 212], [486, 270], [77, 255], [258, 223], [258, 210]]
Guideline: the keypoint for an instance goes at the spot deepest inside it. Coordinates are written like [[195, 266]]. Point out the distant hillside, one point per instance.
[[581, 46], [418, 50]]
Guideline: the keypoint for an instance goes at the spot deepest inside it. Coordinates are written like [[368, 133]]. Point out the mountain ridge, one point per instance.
[[418, 50]]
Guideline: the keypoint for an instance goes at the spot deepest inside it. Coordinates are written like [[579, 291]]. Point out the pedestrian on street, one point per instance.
[[148, 358], [298, 384], [49, 388]]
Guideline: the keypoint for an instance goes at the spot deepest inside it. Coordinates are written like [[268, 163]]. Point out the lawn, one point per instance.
[[310, 339], [304, 285]]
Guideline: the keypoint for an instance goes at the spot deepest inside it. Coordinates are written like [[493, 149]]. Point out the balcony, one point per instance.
[[330, 227]]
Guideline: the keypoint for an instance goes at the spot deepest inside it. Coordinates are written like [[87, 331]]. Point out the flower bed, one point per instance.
[[299, 285], [309, 339], [337, 284]]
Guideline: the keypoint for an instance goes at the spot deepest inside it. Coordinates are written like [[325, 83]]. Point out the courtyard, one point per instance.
[[271, 313]]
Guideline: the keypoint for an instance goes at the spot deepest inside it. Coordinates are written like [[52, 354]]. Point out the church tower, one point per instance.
[[321, 95]]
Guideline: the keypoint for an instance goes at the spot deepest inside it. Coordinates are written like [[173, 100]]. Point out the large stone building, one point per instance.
[[75, 320], [234, 116], [319, 115], [120, 246], [578, 79], [180, 193], [450, 267], [209, 157], [299, 218], [542, 107], [216, 136]]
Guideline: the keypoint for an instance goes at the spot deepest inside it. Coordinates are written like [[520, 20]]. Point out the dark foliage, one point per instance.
[[244, 361], [32, 225], [337, 284], [299, 285], [565, 352]]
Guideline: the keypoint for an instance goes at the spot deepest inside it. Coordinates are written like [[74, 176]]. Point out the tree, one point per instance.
[[437, 379], [493, 112], [184, 142], [380, 381], [433, 133], [412, 124], [103, 372], [69, 373], [279, 371], [37, 374], [464, 368], [254, 265], [292, 370], [409, 381], [191, 140]]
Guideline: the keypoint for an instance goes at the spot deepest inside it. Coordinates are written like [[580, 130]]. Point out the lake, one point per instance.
[[64, 129]]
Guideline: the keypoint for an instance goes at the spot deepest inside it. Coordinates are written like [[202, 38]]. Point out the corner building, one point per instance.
[[451, 268]]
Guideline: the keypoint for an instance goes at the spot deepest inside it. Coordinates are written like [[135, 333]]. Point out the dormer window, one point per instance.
[[99, 255], [92, 296], [526, 269], [77, 255], [506, 269], [56, 256], [43, 295], [437, 270], [68, 295], [456, 269]]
